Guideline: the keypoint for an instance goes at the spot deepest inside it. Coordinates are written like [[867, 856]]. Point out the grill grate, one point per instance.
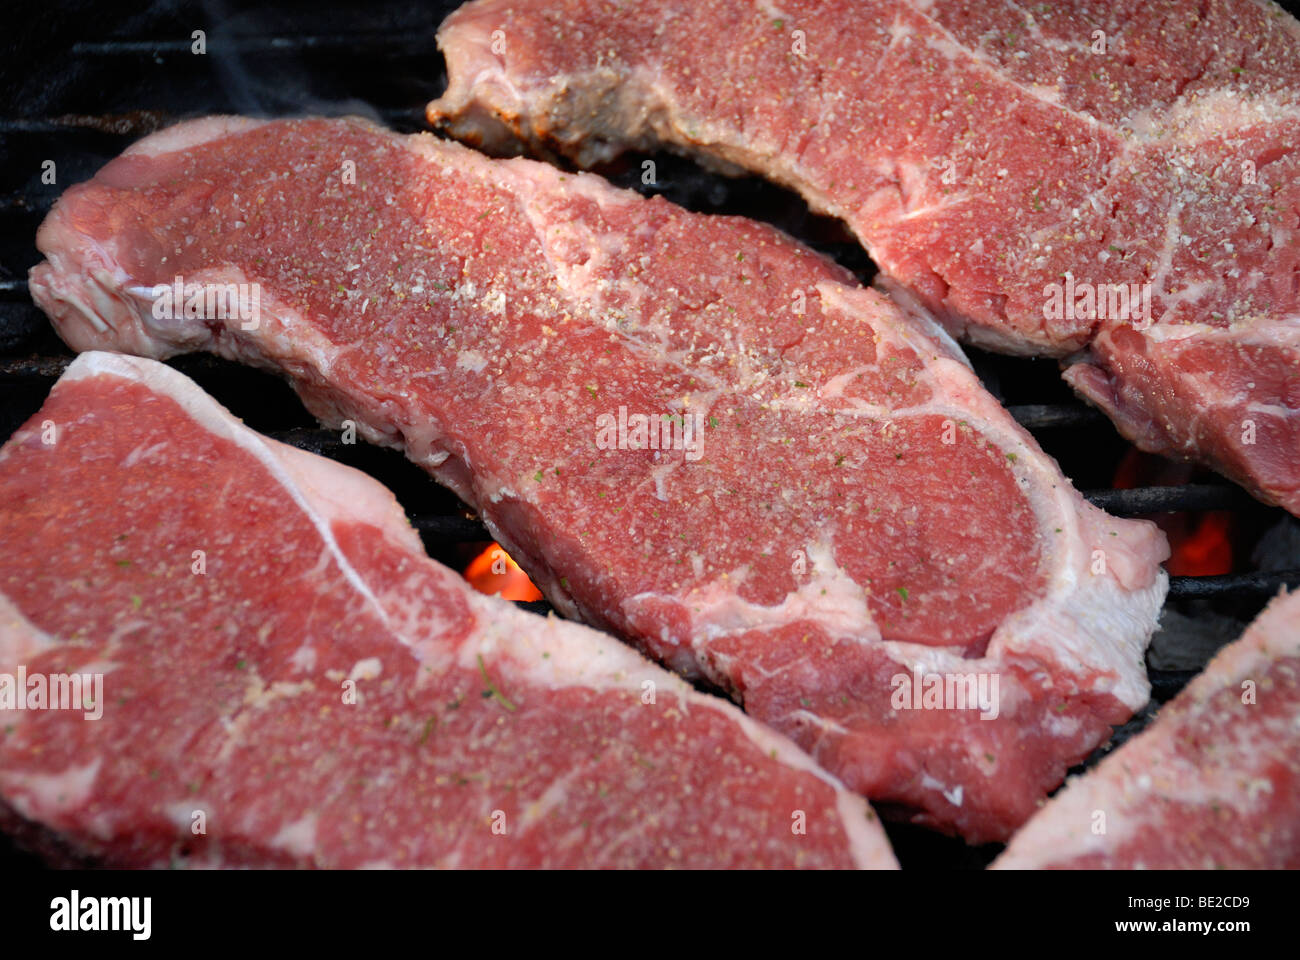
[[78, 99]]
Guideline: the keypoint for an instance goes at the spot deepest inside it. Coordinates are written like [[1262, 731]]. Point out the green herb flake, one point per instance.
[[492, 690]]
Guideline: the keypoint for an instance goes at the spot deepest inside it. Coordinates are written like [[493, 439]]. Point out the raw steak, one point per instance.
[[1213, 784], [848, 504], [476, 735], [1022, 171]]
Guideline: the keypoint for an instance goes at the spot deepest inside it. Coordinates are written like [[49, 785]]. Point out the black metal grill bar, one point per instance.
[[25, 205], [13, 290], [35, 368], [1266, 583], [386, 43], [451, 528], [1143, 501], [70, 124], [1046, 416], [135, 127], [1165, 684]]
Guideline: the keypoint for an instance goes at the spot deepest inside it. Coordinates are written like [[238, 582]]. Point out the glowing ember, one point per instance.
[[1205, 549], [1200, 544], [494, 573]]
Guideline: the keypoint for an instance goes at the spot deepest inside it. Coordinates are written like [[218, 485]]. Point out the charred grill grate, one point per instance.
[[77, 99]]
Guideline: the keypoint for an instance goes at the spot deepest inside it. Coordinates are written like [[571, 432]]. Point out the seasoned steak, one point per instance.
[[287, 680], [691, 431]]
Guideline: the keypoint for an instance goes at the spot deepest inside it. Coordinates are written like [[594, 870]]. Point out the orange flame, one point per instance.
[[493, 572]]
